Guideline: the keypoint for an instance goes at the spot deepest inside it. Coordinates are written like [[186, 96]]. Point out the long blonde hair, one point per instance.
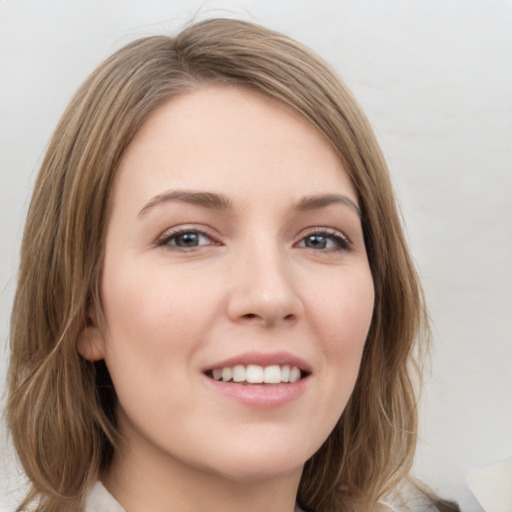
[[61, 408]]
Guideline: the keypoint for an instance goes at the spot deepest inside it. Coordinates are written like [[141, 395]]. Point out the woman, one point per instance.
[[222, 305]]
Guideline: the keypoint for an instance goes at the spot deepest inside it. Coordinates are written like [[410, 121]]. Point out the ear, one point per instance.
[[91, 342]]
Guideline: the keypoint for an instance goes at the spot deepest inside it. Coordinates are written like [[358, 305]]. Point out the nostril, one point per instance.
[[251, 316]]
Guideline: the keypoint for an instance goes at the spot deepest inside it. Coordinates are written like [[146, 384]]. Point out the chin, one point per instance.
[[261, 471], [261, 464]]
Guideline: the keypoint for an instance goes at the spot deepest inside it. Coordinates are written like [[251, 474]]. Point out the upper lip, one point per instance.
[[262, 359]]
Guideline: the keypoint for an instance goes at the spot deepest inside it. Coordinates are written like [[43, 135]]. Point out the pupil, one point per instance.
[[316, 242], [187, 240]]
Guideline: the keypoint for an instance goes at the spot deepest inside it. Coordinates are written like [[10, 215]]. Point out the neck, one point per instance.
[[142, 477]]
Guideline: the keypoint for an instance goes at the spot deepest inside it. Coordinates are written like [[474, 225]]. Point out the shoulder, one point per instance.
[[411, 497]]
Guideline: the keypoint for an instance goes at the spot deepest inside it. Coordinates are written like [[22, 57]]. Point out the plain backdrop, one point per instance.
[[435, 78]]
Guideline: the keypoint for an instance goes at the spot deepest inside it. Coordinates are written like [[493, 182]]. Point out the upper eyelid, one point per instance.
[[178, 230], [204, 230], [342, 245], [323, 230]]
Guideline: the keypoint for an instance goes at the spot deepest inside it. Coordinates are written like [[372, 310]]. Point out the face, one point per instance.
[[234, 255]]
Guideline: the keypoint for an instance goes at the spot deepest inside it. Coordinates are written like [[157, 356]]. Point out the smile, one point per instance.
[[256, 374], [260, 380]]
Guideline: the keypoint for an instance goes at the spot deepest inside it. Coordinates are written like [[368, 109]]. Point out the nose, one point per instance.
[[263, 291]]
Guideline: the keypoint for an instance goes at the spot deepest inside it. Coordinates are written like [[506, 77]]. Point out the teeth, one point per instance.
[[294, 374], [227, 373], [239, 373], [255, 374], [272, 375]]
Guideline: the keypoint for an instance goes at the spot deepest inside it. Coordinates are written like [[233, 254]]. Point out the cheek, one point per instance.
[[342, 318], [154, 330], [343, 311], [154, 320], [152, 300]]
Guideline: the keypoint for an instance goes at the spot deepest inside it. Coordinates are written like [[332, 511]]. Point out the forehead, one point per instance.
[[230, 139]]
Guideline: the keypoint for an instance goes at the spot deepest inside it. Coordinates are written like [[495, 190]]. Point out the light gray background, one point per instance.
[[435, 77]]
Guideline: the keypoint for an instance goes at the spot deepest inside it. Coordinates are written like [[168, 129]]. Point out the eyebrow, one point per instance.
[[209, 200], [220, 202], [316, 202]]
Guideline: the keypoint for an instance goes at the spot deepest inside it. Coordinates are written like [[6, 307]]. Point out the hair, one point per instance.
[[61, 407]]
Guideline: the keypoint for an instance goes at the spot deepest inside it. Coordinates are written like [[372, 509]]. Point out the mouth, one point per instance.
[[256, 374], [260, 380]]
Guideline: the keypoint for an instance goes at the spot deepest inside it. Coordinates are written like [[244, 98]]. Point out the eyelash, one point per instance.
[[165, 240], [341, 242]]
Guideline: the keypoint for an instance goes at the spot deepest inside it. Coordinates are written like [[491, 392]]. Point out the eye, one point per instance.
[[324, 240], [185, 239]]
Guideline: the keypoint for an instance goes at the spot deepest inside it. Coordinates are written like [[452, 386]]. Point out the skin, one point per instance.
[[265, 276]]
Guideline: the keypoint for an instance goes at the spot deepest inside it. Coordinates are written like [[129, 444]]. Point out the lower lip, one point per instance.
[[261, 395]]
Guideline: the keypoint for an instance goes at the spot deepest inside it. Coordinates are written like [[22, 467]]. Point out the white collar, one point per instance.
[[100, 500]]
